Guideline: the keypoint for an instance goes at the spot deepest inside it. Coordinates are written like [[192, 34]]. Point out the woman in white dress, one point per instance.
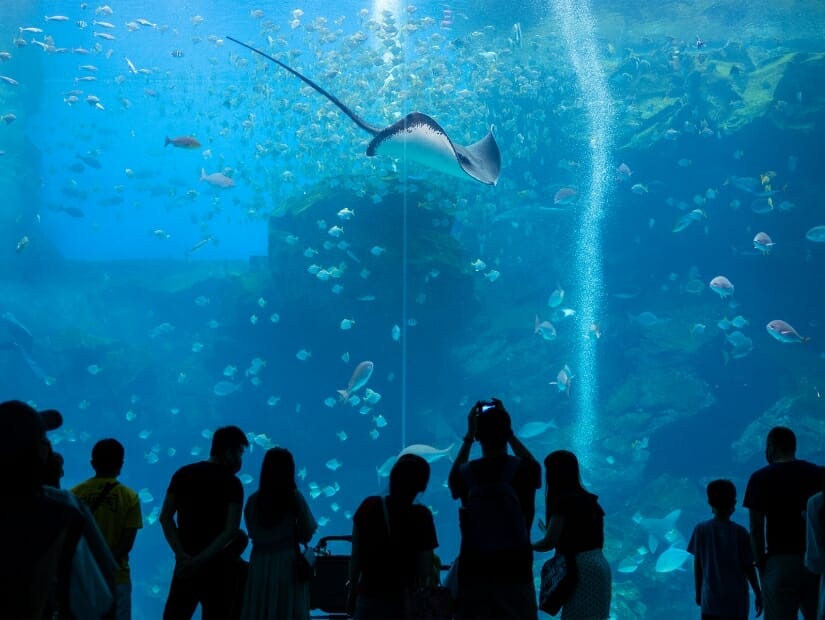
[[277, 518]]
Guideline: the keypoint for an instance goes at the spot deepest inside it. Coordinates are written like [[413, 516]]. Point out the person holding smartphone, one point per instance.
[[497, 493]]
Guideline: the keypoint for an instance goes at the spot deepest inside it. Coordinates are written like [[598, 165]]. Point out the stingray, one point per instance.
[[15, 336], [418, 137]]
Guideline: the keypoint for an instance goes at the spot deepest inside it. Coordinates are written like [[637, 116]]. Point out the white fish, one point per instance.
[[224, 388], [359, 378], [217, 179], [385, 467], [534, 429], [671, 559], [660, 529], [556, 297], [646, 319], [371, 396], [428, 453], [816, 234], [333, 464], [630, 563], [153, 516]]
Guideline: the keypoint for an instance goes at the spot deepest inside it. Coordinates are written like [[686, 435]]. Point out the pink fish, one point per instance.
[[217, 179], [721, 286], [784, 333], [359, 378]]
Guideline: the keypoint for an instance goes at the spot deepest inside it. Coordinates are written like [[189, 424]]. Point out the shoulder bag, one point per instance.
[[558, 582], [304, 559]]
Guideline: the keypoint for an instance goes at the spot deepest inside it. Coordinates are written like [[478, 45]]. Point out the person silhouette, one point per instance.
[[201, 516], [278, 519], [497, 495], [776, 498]]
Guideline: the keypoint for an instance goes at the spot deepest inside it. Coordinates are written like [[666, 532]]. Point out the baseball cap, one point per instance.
[[22, 423]]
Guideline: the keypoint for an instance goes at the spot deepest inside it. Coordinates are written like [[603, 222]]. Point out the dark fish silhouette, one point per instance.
[[15, 336]]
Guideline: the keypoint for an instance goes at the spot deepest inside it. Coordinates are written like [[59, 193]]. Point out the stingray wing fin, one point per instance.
[[420, 138]]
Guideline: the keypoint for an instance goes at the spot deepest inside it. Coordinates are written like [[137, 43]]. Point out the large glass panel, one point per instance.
[[217, 213]]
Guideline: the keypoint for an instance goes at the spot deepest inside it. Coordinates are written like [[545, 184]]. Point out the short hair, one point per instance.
[[783, 439], [494, 427], [227, 438], [108, 455], [409, 476], [722, 495]]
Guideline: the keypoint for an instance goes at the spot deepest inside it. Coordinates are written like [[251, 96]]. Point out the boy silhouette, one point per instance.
[[723, 564]]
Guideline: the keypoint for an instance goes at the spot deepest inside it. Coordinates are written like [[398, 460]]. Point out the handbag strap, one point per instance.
[[386, 516], [295, 535], [98, 501]]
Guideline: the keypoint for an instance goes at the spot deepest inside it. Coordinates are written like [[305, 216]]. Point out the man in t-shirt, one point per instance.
[[776, 498], [201, 515], [116, 509], [495, 582]]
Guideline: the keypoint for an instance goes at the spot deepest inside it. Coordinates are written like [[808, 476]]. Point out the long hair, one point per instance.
[[562, 477], [276, 488]]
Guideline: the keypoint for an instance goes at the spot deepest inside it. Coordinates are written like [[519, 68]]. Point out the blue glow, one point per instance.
[[577, 30]]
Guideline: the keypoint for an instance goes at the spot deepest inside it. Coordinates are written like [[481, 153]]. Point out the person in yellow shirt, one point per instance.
[[116, 508]]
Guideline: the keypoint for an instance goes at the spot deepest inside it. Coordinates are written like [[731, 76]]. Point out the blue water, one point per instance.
[[136, 267]]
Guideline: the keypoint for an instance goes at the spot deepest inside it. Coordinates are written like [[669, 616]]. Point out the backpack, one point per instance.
[[491, 520]]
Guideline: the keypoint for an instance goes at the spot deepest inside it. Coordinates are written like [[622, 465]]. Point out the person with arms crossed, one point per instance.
[[201, 515]]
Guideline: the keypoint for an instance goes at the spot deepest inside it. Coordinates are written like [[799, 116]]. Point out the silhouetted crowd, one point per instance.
[[66, 554]]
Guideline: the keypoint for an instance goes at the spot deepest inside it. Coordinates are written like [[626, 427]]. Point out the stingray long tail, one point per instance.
[[343, 107]]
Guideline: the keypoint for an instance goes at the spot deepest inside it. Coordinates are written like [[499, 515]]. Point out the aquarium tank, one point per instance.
[[589, 209]]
